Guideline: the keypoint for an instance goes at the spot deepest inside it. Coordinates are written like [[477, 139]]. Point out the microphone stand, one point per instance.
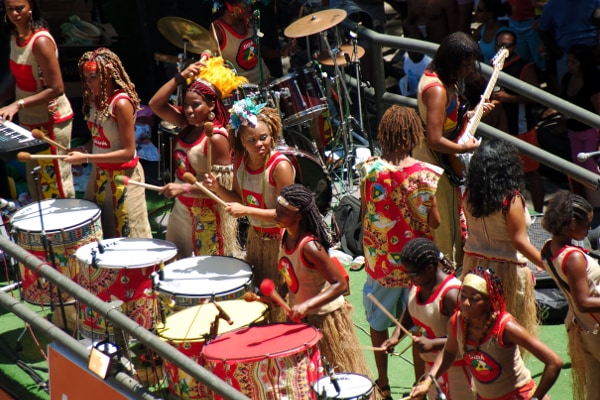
[[257, 34], [49, 252]]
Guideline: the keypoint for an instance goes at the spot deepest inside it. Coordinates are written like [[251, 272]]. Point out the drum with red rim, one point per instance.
[[277, 361]]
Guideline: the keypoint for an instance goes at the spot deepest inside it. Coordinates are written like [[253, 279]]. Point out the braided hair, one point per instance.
[[400, 129], [205, 90], [422, 252], [302, 198], [268, 115], [108, 67], [562, 209]]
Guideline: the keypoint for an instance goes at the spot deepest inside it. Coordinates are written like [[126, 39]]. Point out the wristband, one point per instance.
[[87, 159], [21, 104], [179, 79], [188, 188]]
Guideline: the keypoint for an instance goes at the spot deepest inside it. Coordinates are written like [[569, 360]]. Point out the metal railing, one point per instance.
[[378, 93]]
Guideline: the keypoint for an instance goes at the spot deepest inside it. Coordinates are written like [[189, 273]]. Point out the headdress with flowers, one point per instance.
[[244, 112]]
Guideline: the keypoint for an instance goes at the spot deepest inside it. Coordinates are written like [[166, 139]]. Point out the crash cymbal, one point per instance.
[[315, 23], [348, 49], [179, 30]]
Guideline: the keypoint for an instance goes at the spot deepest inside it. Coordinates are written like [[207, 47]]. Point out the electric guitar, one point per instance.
[[456, 164]]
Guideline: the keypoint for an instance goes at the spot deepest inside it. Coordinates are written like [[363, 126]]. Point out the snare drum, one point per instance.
[[122, 273], [311, 173], [277, 361], [196, 280], [301, 96], [353, 387], [68, 225], [187, 331]]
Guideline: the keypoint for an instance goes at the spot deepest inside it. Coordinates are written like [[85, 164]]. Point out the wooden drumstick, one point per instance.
[[24, 156], [389, 314], [42, 136], [267, 287], [251, 296], [191, 179], [208, 130], [124, 180]]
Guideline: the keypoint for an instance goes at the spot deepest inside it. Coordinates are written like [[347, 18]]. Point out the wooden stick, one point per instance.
[[267, 287], [191, 179], [126, 181], [42, 136], [212, 25], [208, 130], [24, 156], [389, 314]]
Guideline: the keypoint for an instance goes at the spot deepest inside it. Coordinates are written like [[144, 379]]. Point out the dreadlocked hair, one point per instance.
[[400, 129], [109, 66], [223, 78], [562, 209], [495, 294], [267, 115], [302, 198], [422, 252], [204, 89], [454, 50]]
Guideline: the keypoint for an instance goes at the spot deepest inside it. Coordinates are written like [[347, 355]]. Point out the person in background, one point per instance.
[[40, 101], [498, 222], [568, 217], [197, 224], [522, 21], [315, 283], [260, 172], [519, 111], [487, 14], [110, 104], [398, 204], [488, 338], [432, 301], [431, 20]]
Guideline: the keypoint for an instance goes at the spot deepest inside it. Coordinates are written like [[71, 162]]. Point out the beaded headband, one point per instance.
[[282, 201]]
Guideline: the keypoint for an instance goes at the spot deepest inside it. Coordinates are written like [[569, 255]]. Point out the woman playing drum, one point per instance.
[[259, 174], [110, 103], [197, 224]]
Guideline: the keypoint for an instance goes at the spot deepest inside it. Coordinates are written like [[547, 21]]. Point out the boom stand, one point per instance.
[[347, 142]]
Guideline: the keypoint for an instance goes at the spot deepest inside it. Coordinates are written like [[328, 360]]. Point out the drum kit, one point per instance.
[[302, 98]]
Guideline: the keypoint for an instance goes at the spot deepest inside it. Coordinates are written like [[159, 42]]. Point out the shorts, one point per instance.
[[393, 299]]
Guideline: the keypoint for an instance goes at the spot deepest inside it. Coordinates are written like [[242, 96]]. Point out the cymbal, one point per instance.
[[180, 30], [315, 23], [326, 59]]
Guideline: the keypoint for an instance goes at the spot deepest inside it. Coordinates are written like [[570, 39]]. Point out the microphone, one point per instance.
[[584, 156], [101, 248], [438, 389], [332, 376], [7, 204], [222, 313]]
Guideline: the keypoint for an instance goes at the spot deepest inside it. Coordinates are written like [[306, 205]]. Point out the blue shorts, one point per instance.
[[393, 299]]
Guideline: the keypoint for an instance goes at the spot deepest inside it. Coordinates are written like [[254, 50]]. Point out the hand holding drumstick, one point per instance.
[[39, 135], [267, 287], [24, 156], [191, 179]]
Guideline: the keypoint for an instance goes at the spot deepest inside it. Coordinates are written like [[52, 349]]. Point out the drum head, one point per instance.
[[122, 253], [193, 324], [261, 342], [205, 276], [353, 386], [57, 214]]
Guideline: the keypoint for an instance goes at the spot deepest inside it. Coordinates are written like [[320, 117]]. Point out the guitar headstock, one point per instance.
[[499, 58]]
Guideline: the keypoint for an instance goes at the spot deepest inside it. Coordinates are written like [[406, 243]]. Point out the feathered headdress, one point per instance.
[[244, 112]]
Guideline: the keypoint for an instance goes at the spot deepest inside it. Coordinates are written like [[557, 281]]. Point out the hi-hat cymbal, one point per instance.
[[315, 23], [180, 30], [348, 49]]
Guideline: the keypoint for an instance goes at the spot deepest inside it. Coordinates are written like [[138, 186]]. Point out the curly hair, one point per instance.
[[455, 49], [562, 209], [267, 115], [109, 66], [400, 129], [495, 174], [302, 198], [422, 252], [37, 22]]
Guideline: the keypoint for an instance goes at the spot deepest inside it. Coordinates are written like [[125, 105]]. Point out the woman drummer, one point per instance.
[[259, 174], [197, 224]]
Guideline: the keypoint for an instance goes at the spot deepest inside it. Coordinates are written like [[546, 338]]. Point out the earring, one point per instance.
[[211, 116]]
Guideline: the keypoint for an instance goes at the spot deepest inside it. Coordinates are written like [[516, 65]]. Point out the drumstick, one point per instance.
[[208, 130], [267, 287], [24, 156], [42, 136], [191, 179], [124, 180], [250, 297], [389, 314], [216, 39]]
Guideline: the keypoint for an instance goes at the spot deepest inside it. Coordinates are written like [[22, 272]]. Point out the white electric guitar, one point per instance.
[[456, 165]]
